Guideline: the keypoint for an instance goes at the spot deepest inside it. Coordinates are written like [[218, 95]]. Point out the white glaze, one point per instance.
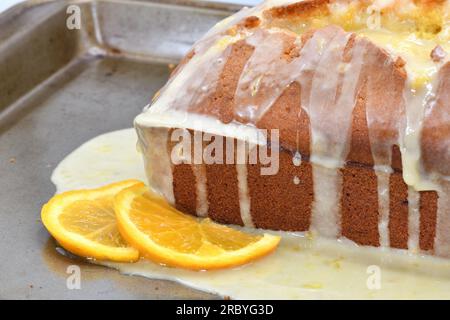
[[301, 268], [442, 240], [201, 188], [329, 131], [326, 211], [383, 174], [157, 160], [416, 101], [109, 157], [244, 197], [413, 220]]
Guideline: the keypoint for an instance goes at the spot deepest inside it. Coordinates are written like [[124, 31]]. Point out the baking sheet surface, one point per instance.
[[58, 89]]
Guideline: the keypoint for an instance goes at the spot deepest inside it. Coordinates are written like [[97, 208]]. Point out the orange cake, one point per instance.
[[325, 116]]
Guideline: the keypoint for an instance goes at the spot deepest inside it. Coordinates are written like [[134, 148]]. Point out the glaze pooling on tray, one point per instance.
[[303, 267], [355, 89]]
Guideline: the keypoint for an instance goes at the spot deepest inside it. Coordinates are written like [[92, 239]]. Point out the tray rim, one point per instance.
[[195, 4]]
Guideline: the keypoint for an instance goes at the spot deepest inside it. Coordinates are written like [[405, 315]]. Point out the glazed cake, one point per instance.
[[360, 94]]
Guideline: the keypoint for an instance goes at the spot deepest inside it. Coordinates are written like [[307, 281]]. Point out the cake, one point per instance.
[[330, 117]]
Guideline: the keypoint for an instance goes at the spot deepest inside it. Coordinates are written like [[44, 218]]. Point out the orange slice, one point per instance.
[[165, 235], [84, 223]]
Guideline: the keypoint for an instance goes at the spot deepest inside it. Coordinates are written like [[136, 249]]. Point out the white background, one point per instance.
[[5, 4]]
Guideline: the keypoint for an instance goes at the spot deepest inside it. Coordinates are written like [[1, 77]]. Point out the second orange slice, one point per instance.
[[165, 235]]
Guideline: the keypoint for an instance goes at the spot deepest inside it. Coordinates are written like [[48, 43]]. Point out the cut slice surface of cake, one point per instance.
[[320, 115]]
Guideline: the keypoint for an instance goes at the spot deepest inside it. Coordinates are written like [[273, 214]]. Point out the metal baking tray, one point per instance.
[[58, 89]]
